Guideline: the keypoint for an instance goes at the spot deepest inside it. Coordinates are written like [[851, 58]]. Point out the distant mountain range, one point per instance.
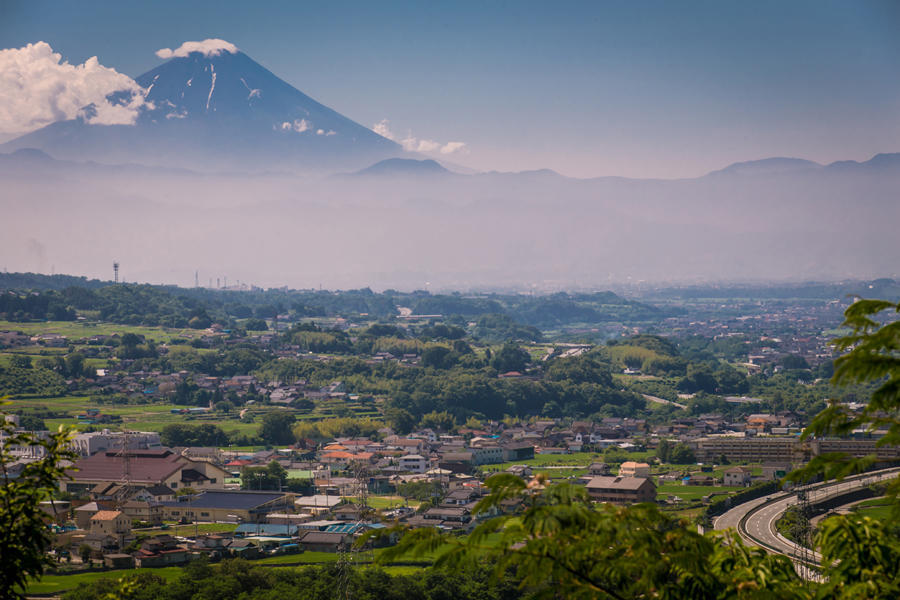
[[219, 111], [28, 159], [778, 165], [402, 167]]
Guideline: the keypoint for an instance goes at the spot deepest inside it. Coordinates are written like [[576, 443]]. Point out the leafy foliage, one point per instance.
[[24, 538], [37, 381], [238, 578], [185, 434], [563, 545], [872, 354]]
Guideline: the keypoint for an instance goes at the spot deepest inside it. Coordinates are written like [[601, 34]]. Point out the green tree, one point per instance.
[[84, 551], [699, 378], [20, 361], [256, 325], [271, 477], [864, 555], [276, 428], [399, 419], [75, 366], [510, 358], [664, 450], [681, 454], [439, 421], [861, 553], [566, 546], [872, 354], [24, 538], [304, 430], [438, 357], [615, 455], [276, 471]]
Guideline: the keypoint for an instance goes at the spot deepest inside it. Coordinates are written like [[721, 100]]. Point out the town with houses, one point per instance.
[[126, 482], [140, 497]]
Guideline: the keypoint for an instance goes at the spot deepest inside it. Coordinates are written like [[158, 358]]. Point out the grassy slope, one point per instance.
[[54, 584]]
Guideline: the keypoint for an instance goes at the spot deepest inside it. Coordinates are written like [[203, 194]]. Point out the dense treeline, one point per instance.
[[29, 380], [240, 579], [573, 387], [38, 282], [883, 288], [26, 307], [29, 297]]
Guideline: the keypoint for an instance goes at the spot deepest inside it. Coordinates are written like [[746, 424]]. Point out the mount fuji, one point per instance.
[[215, 108]]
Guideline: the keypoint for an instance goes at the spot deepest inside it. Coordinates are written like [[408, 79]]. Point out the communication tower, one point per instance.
[[801, 531], [116, 271], [126, 466]]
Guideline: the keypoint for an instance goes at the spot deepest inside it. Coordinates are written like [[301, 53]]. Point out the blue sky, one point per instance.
[[640, 89]]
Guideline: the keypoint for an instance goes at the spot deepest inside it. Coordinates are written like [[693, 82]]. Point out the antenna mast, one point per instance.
[[126, 466]]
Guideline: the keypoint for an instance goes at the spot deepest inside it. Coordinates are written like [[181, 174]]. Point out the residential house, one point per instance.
[[621, 490], [84, 513], [737, 476], [457, 462], [323, 541], [634, 469], [516, 451], [143, 510], [226, 505], [598, 468], [143, 467], [118, 561], [160, 551], [114, 524]]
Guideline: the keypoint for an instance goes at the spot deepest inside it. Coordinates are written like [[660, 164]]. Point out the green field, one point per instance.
[[304, 558], [691, 492], [383, 502], [154, 416], [75, 330], [54, 584], [876, 508], [577, 460], [147, 417]]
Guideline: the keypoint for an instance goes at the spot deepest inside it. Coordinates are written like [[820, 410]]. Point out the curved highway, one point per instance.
[[755, 520]]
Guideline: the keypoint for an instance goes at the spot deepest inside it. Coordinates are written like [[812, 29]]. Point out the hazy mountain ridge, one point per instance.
[[449, 230], [403, 167]]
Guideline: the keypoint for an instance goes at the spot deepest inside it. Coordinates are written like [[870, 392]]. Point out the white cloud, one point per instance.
[[451, 147], [382, 129], [413, 144], [299, 125], [37, 88], [210, 47]]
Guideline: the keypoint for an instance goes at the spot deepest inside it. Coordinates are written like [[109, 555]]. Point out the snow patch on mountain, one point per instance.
[[212, 87], [299, 125], [254, 93]]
